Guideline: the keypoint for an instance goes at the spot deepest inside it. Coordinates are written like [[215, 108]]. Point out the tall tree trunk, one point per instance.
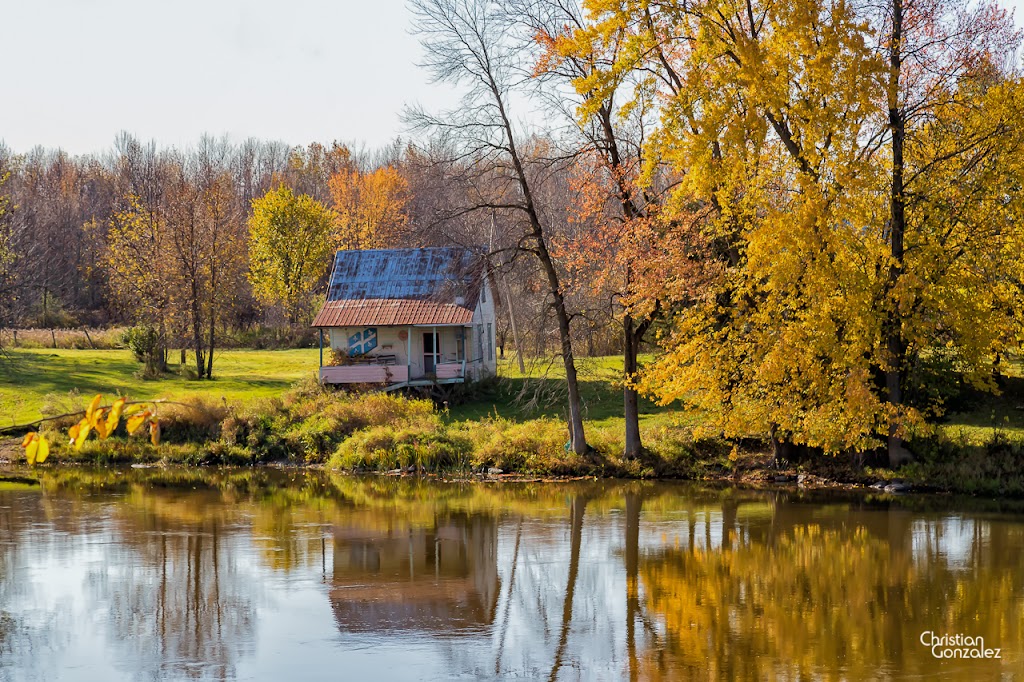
[[512, 323], [161, 351], [197, 331], [577, 439], [895, 345], [631, 399], [209, 355]]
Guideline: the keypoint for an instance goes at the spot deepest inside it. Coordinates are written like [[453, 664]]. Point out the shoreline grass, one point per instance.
[[265, 406]]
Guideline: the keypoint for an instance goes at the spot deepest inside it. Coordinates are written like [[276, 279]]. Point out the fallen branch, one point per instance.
[[18, 429]]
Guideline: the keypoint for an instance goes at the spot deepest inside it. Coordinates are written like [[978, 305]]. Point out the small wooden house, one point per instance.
[[407, 317]]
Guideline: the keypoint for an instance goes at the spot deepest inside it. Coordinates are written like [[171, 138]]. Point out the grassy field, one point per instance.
[[34, 380], [31, 379], [540, 392], [515, 423]]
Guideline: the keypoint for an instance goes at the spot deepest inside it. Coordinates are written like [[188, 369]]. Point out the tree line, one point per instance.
[[812, 209]]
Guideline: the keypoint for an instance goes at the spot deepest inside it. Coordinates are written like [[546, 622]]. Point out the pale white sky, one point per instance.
[[76, 72]]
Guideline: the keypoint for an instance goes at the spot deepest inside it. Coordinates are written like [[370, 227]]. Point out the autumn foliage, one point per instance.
[[101, 420], [857, 170]]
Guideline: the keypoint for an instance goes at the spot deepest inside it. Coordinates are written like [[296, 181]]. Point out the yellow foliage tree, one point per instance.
[[859, 178], [289, 249], [139, 269]]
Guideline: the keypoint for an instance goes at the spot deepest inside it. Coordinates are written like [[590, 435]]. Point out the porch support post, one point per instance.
[[408, 354], [321, 346], [462, 331], [437, 347]]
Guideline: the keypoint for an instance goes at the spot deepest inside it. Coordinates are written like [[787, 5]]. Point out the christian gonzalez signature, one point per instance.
[[958, 646]]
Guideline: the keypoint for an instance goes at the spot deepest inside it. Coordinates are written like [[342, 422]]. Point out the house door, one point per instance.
[[431, 352]]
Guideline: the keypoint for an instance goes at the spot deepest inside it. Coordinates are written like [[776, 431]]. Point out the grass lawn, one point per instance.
[[35, 377], [980, 415], [540, 391], [31, 378]]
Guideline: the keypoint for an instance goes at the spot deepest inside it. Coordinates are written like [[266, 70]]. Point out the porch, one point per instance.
[[395, 376], [395, 357]]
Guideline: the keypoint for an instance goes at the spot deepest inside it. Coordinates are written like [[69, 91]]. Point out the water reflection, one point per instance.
[[183, 574], [441, 578]]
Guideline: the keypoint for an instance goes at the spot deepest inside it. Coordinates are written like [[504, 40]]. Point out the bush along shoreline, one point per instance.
[[376, 432]]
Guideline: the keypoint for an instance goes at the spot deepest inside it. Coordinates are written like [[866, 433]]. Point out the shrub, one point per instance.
[[424, 444], [195, 420], [144, 343], [535, 445]]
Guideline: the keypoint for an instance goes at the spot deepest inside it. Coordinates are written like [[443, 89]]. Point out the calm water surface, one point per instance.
[[269, 575]]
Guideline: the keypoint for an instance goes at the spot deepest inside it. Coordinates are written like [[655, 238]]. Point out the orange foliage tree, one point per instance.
[[371, 206]]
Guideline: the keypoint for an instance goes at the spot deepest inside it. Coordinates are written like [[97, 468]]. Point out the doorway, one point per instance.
[[431, 352]]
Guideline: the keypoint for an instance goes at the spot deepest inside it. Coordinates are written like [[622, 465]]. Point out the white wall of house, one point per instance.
[[390, 342], [483, 351], [480, 351]]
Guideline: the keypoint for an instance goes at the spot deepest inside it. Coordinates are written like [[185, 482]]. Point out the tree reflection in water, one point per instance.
[[834, 593], [186, 574]]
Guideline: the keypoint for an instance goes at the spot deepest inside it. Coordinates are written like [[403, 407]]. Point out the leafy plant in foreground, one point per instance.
[[103, 420]]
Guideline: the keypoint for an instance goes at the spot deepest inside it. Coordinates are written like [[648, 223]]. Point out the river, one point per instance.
[[292, 575]]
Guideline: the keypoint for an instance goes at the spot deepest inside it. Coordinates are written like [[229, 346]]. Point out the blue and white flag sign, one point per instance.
[[362, 342]]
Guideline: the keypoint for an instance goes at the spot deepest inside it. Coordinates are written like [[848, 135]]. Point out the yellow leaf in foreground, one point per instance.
[[82, 433], [136, 421], [92, 407], [114, 418], [44, 450], [132, 409], [31, 445], [99, 423]]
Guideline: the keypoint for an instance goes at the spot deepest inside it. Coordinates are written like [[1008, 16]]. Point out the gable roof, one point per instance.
[[402, 287]]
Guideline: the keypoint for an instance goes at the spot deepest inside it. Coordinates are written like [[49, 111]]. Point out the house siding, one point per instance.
[[390, 343], [410, 291]]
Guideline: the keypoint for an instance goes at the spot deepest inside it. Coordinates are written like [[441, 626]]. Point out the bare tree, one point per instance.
[[469, 44]]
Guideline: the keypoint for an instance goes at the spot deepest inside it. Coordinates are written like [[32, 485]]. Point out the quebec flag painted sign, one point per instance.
[[362, 342]]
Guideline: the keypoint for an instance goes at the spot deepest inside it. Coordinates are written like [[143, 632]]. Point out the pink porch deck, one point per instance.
[[364, 374], [446, 372]]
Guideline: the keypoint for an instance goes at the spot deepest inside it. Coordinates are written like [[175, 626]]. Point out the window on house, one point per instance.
[[483, 292], [490, 342], [479, 342], [460, 346]]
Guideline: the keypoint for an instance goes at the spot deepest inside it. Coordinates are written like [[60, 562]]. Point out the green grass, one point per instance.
[[982, 416], [38, 380], [541, 392], [515, 422], [32, 378]]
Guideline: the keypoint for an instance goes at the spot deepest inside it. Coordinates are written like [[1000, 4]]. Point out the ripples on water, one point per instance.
[[269, 575]]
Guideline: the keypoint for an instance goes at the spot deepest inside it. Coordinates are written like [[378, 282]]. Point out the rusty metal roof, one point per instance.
[[385, 312], [401, 287]]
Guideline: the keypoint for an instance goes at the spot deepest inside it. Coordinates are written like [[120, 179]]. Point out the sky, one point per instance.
[[77, 72]]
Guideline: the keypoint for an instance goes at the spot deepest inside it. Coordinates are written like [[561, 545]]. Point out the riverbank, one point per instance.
[[396, 436], [257, 413]]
